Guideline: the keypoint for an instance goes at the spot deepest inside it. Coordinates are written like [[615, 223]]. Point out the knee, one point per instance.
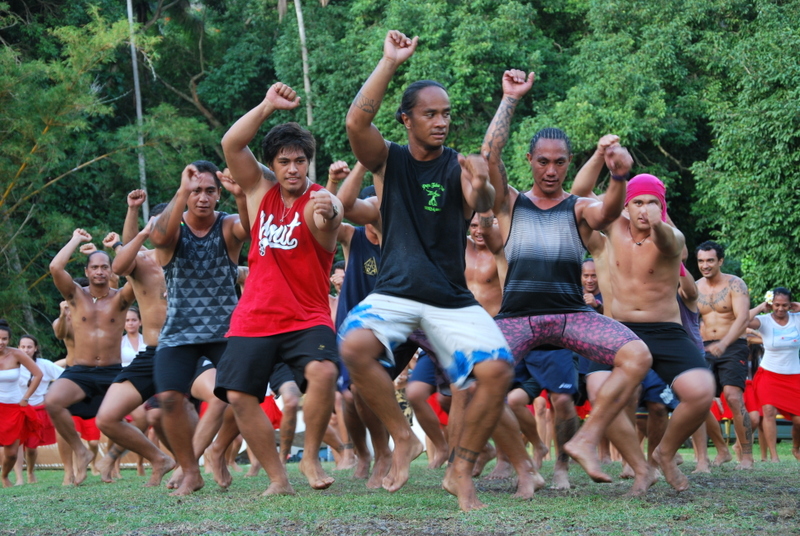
[[321, 374], [238, 400], [634, 358], [770, 412], [518, 399], [654, 409], [562, 404], [734, 398], [170, 401], [359, 345], [418, 392], [105, 422], [494, 374]]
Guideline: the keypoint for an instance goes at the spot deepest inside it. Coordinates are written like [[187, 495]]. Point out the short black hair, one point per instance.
[[409, 99], [159, 208], [82, 281], [783, 291], [5, 327], [287, 135], [709, 245], [550, 133], [90, 255], [338, 265], [587, 259], [204, 166]]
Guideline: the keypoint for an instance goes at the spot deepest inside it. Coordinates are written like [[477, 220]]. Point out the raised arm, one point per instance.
[[165, 232], [366, 141], [243, 165], [62, 324], [600, 214], [359, 211], [668, 239], [125, 260], [586, 179], [58, 266], [241, 228], [131, 226], [337, 172], [475, 184], [752, 321], [515, 85]]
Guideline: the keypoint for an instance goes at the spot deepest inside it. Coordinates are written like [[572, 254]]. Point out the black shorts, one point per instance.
[[175, 367], [731, 367], [94, 382], [282, 374], [140, 373], [673, 350], [248, 362]]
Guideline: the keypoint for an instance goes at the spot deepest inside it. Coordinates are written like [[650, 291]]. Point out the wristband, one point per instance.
[[683, 270], [621, 178], [117, 243]]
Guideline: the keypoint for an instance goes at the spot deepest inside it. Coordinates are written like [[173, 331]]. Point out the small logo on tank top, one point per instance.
[[434, 191], [371, 267], [276, 236]]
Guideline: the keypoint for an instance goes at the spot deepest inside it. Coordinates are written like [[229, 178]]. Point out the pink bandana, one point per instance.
[[645, 184]]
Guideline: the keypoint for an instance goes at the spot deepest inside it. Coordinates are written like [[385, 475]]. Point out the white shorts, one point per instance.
[[461, 337]]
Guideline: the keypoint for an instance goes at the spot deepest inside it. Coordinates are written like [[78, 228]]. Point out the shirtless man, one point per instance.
[[431, 190], [136, 384], [724, 305], [645, 265], [198, 249], [591, 290], [293, 240], [98, 315], [534, 313]]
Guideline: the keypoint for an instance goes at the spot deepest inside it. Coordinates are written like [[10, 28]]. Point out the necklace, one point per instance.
[[634, 241], [287, 209], [95, 298]]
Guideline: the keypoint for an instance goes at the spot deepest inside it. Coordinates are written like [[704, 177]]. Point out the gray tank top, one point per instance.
[[201, 288]]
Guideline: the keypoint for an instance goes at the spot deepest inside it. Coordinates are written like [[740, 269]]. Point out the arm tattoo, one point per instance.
[[497, 135], [738, 286], [486, 221], [503, 174], [163, 219], [365, 104]]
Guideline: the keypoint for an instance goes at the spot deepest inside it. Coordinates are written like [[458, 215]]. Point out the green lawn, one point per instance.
[[763, 501]]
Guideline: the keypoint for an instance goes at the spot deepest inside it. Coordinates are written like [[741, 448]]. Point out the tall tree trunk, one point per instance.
[[301, 28]]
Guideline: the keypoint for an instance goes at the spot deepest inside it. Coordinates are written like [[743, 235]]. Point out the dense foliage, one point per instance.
[[704, 92]]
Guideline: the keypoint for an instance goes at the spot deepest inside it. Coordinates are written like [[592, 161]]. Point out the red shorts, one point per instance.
[[724, 413], [779, 390], [18, 423], [274, 413], [87, 429], [47, 434], [584, 410]]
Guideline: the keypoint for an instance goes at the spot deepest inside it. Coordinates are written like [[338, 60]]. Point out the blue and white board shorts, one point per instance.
[[460, 337]]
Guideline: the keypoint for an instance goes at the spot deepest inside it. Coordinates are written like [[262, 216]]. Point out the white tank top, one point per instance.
[[9, 386]]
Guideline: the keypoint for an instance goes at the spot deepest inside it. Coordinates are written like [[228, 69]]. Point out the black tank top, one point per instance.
[[201, 288], [361, 274], [544, 252], [424, 230]]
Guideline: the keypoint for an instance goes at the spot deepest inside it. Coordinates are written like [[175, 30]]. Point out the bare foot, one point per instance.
[[723, 456], [796, 453], [7, 483], [219, 467], [672, 473], [313, 471], [404, 453], [254, 469], [277, 488], [140, 470], [745, 464], [487, 454], [501, 471], [560, 477], [383, 463], [19, 482], [160, 468], [702, 467], [678, 458], [69, 479], [191, 483], [460, 484], [362, 468], [627, 472], [176, 480], [642, 481], [347, 461], [539, 452], [528, 482], [586, 455], [440, 458], [106, 467], [32, 479], [235, 467], [82, 459]]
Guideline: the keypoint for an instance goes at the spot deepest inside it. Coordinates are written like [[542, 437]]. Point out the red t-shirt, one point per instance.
[[287, 289]]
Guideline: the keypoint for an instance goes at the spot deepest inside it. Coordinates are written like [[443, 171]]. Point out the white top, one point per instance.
[[9, 386], [50, 373], [781, 344], [126, 350]]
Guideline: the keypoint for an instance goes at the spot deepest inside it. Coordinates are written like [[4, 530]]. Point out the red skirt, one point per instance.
[[47, 434], [779, 390], [751, 402], [274, 413], [86, 428], [17, 423]]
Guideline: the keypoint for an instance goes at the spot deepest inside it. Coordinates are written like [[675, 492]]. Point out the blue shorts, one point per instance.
[[427, 371], [550, 369], [654, 389]]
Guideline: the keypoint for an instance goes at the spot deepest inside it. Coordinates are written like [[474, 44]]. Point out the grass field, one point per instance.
[[763, 501]]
